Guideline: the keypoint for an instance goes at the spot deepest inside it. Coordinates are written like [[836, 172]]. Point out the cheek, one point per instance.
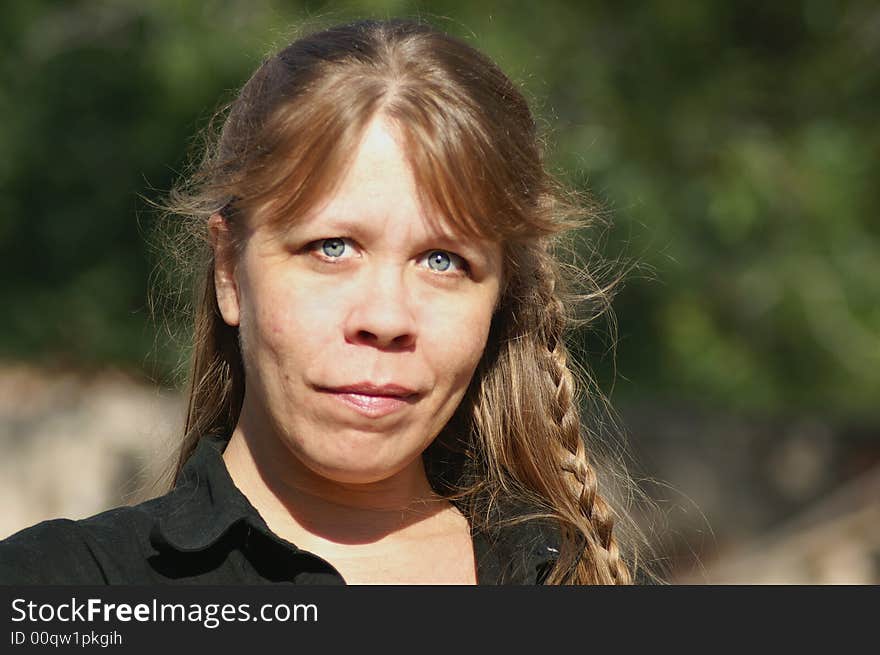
[[286, 326], [455, 343]]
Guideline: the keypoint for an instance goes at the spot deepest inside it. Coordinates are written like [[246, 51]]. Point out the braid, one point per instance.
[[597, 559], [534, 448], [593, 517]]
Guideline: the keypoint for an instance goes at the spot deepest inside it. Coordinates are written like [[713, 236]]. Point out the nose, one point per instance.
[[381, 315]]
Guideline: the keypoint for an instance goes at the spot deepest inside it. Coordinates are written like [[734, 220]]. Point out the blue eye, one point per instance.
[[333, 247], [439, 260], [448, 263]]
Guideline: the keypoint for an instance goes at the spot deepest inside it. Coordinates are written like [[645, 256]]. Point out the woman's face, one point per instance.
[[361, 323]]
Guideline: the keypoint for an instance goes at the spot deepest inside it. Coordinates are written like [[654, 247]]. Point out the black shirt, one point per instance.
[[205, 531]]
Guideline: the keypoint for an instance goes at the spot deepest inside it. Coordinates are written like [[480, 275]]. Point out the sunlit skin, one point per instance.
[[368, 287]]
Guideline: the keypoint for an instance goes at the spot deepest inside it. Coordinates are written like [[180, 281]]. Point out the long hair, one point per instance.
[[520, 434]]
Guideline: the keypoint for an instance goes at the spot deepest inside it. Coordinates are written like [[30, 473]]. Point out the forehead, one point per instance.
[[377, 192], [378, 179]]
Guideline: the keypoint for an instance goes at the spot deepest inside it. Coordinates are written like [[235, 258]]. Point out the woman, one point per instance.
[[380, 391]]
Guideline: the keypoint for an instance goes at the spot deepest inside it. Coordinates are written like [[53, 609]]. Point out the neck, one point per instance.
[[306, 508]]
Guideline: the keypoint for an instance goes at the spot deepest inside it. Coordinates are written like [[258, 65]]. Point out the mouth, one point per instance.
[[373, 401]]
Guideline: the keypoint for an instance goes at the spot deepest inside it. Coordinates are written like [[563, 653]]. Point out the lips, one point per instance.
[[371, 400], [370, 389]]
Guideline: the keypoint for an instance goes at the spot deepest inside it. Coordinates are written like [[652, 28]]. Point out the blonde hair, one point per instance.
[[475, 152]]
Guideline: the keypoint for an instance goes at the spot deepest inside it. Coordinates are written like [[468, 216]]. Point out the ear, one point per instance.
[[225, 284]]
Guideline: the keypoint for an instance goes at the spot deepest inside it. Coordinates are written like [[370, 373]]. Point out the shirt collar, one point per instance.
[[205, 504]]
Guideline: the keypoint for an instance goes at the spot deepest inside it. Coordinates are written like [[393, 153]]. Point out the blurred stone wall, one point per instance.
[[738, 501], [74, 444]]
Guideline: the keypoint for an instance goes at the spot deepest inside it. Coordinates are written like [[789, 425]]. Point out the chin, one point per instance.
[[358, 465], [347, 473]]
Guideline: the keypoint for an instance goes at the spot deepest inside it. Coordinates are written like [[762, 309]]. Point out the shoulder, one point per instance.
[[88, 551], [51, 552], [516, 541]]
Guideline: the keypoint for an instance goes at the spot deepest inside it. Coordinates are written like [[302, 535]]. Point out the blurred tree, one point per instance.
[[734, 144]]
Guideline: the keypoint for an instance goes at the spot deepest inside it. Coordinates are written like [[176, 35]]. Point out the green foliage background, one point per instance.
[[734, 146]]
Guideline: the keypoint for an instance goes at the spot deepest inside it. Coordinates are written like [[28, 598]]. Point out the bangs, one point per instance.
[[466, 176], [304, 150], [470, 173]]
